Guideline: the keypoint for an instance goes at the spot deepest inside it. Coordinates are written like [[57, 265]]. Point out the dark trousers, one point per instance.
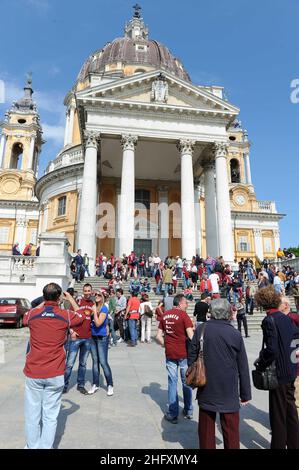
[[243, 320], [229, 425], [119, 320], [284, 417]]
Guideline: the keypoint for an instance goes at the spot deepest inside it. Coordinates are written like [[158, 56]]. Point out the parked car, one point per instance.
[[12, 311]]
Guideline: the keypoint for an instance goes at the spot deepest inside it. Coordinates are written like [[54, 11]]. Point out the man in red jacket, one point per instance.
[[45, 366]]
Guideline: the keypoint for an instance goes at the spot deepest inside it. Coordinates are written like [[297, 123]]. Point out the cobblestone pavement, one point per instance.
[[133, 417]]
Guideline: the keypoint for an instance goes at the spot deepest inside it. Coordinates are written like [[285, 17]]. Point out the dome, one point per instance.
[[128, 51], [134, 49]]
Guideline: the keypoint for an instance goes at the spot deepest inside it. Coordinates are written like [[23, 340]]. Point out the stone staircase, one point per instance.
[[254, 321]]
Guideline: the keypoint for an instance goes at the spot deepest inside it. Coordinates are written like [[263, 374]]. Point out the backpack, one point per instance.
[[148, 312]]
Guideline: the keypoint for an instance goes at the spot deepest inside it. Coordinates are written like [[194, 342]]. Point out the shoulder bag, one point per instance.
[[266, 379], [196, 373]]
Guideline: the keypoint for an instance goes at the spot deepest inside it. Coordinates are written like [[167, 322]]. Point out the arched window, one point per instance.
[[235, 171], [16, 156]]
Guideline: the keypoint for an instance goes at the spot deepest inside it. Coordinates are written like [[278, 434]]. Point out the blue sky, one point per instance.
[[248, 46]]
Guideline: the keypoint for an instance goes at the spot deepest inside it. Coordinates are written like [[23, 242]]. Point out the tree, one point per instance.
[[294, 250]]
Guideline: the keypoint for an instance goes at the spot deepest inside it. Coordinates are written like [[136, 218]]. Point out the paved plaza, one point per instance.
[[133, 417]]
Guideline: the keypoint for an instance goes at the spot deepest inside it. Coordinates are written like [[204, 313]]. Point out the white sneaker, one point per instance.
[[120, 340], [110, 391], [93, 390]]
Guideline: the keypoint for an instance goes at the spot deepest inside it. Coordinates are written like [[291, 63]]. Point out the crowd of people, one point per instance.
[[101, 319]]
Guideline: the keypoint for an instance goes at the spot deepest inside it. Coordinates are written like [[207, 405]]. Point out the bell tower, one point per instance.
[[20, 146]]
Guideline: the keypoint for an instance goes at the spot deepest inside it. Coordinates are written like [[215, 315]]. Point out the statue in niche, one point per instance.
[[160, 90]]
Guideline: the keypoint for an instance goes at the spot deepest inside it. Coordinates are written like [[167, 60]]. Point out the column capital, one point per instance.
[[276, 233], [22, 222], [186, 146], [220, 149], [257, 232], [92, 139], [129, 141]]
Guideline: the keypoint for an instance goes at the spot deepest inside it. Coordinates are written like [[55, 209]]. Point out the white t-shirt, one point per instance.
[[157, 260], [214, 278]]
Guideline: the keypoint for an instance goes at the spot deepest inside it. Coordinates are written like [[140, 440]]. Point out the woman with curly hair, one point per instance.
[[278, 334]]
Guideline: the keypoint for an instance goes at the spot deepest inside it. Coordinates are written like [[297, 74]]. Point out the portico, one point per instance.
[[166, 144]]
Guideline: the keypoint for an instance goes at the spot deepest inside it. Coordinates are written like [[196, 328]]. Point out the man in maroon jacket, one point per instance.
[[45, 366]]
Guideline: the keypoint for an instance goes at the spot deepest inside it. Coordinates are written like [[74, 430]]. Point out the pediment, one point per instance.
[[148, 90]]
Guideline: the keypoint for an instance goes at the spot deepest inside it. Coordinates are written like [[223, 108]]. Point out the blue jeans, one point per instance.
[[168, 287], [42, 405], [133, 330], [112, 330], [173, 367], [99, 354], [74, 346], [87, 270], [78, 271], [180, 272]]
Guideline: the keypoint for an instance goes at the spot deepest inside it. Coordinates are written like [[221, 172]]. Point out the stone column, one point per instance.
[[71, 124], [225, 236], [67, 126], [45, 217], [247, 168], [116, 246], [163, 223], [31, 154], [276, 234], [258, 243], [87, 214], [2, 149], [21, 232], [127, 196], [198, 236], [210, 209], [186, 147]]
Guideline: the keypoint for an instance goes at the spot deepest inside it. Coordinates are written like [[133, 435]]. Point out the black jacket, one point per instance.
[[279, 346], [226, 365]]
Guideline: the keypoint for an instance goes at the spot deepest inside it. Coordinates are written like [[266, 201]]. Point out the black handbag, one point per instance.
[[266, 379]]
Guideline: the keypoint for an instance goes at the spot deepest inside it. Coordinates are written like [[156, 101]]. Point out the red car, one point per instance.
[[12, 311]]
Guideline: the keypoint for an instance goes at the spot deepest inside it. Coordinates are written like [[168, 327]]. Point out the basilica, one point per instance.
[[138, 131]]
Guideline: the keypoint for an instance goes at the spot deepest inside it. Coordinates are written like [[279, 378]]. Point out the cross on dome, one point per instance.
[[137, 9]]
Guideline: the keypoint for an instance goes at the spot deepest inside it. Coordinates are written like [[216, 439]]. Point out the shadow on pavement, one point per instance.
[[157, 394], [68, 408], [185, 431], [249, 435]]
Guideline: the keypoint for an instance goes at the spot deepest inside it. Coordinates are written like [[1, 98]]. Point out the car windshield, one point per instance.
[[8, 301]]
